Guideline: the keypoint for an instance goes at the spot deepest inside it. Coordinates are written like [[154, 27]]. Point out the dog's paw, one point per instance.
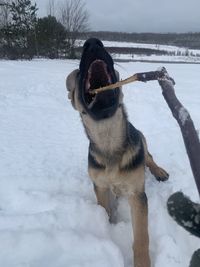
[[161, 175]]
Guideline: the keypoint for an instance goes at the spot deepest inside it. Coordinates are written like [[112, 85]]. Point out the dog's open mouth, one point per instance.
[[97, 70], [98, 76]]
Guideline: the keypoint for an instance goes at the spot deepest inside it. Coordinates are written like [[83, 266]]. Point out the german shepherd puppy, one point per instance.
[[117, 150]]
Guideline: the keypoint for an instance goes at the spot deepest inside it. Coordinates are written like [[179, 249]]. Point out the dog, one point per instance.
[[117, 150]]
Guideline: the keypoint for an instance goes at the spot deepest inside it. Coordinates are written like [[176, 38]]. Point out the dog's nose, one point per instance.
[[92, 43]]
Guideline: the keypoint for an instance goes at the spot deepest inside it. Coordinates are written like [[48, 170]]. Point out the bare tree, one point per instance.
[[51, 11], [4, 12], [75, 18], [5, 18], [2, 2]]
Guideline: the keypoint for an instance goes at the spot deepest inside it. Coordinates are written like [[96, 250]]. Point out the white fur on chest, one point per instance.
[[107, 134]]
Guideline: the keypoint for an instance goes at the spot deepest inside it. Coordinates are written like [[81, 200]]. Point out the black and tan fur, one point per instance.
[[117, 151]]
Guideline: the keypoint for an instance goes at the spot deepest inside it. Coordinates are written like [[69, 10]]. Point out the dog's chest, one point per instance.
[[121, 184], [107, 135], [108, 138]]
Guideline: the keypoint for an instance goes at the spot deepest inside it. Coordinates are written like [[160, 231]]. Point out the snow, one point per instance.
[[48, 210], [157, 58], [182, 54], [169, 48], [183, 115]]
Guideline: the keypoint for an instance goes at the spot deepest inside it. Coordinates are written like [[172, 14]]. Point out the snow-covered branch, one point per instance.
[[186, 124]]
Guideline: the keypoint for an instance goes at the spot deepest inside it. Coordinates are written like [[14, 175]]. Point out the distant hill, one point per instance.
[[146, 52], [189, 40]]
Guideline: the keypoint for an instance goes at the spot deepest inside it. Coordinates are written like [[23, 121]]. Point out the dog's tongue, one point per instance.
[[98, 75]]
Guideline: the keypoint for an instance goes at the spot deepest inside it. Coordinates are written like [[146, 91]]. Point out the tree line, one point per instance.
[[23, 35]]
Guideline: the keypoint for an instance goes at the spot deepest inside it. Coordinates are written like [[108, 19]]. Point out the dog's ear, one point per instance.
[[71, 84]]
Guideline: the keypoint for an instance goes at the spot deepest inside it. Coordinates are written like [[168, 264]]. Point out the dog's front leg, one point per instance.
[[139, 213], [102, 195], [106, 199]]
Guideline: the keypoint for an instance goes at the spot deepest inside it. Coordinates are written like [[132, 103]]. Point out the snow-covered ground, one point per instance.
[[157, 58], [169, 48], [48, 210]]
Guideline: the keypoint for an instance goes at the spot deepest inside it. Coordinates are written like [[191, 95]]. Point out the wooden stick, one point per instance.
[[142, 77], [189, 133], [133, 78]]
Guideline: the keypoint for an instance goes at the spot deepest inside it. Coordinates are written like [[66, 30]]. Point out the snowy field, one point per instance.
[[157, 58], [48, 211], [169, 48], [181, 54]]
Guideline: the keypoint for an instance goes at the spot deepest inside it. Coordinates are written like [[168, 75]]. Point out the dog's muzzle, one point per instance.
[[96, 70]]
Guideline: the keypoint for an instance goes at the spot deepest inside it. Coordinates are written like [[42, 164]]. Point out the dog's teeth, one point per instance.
[[87, 85]]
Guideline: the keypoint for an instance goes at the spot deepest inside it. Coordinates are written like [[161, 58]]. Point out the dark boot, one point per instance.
[[195, 261], [185, 212]]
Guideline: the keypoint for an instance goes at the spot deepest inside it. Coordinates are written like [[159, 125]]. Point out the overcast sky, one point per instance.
[[140, 15]]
